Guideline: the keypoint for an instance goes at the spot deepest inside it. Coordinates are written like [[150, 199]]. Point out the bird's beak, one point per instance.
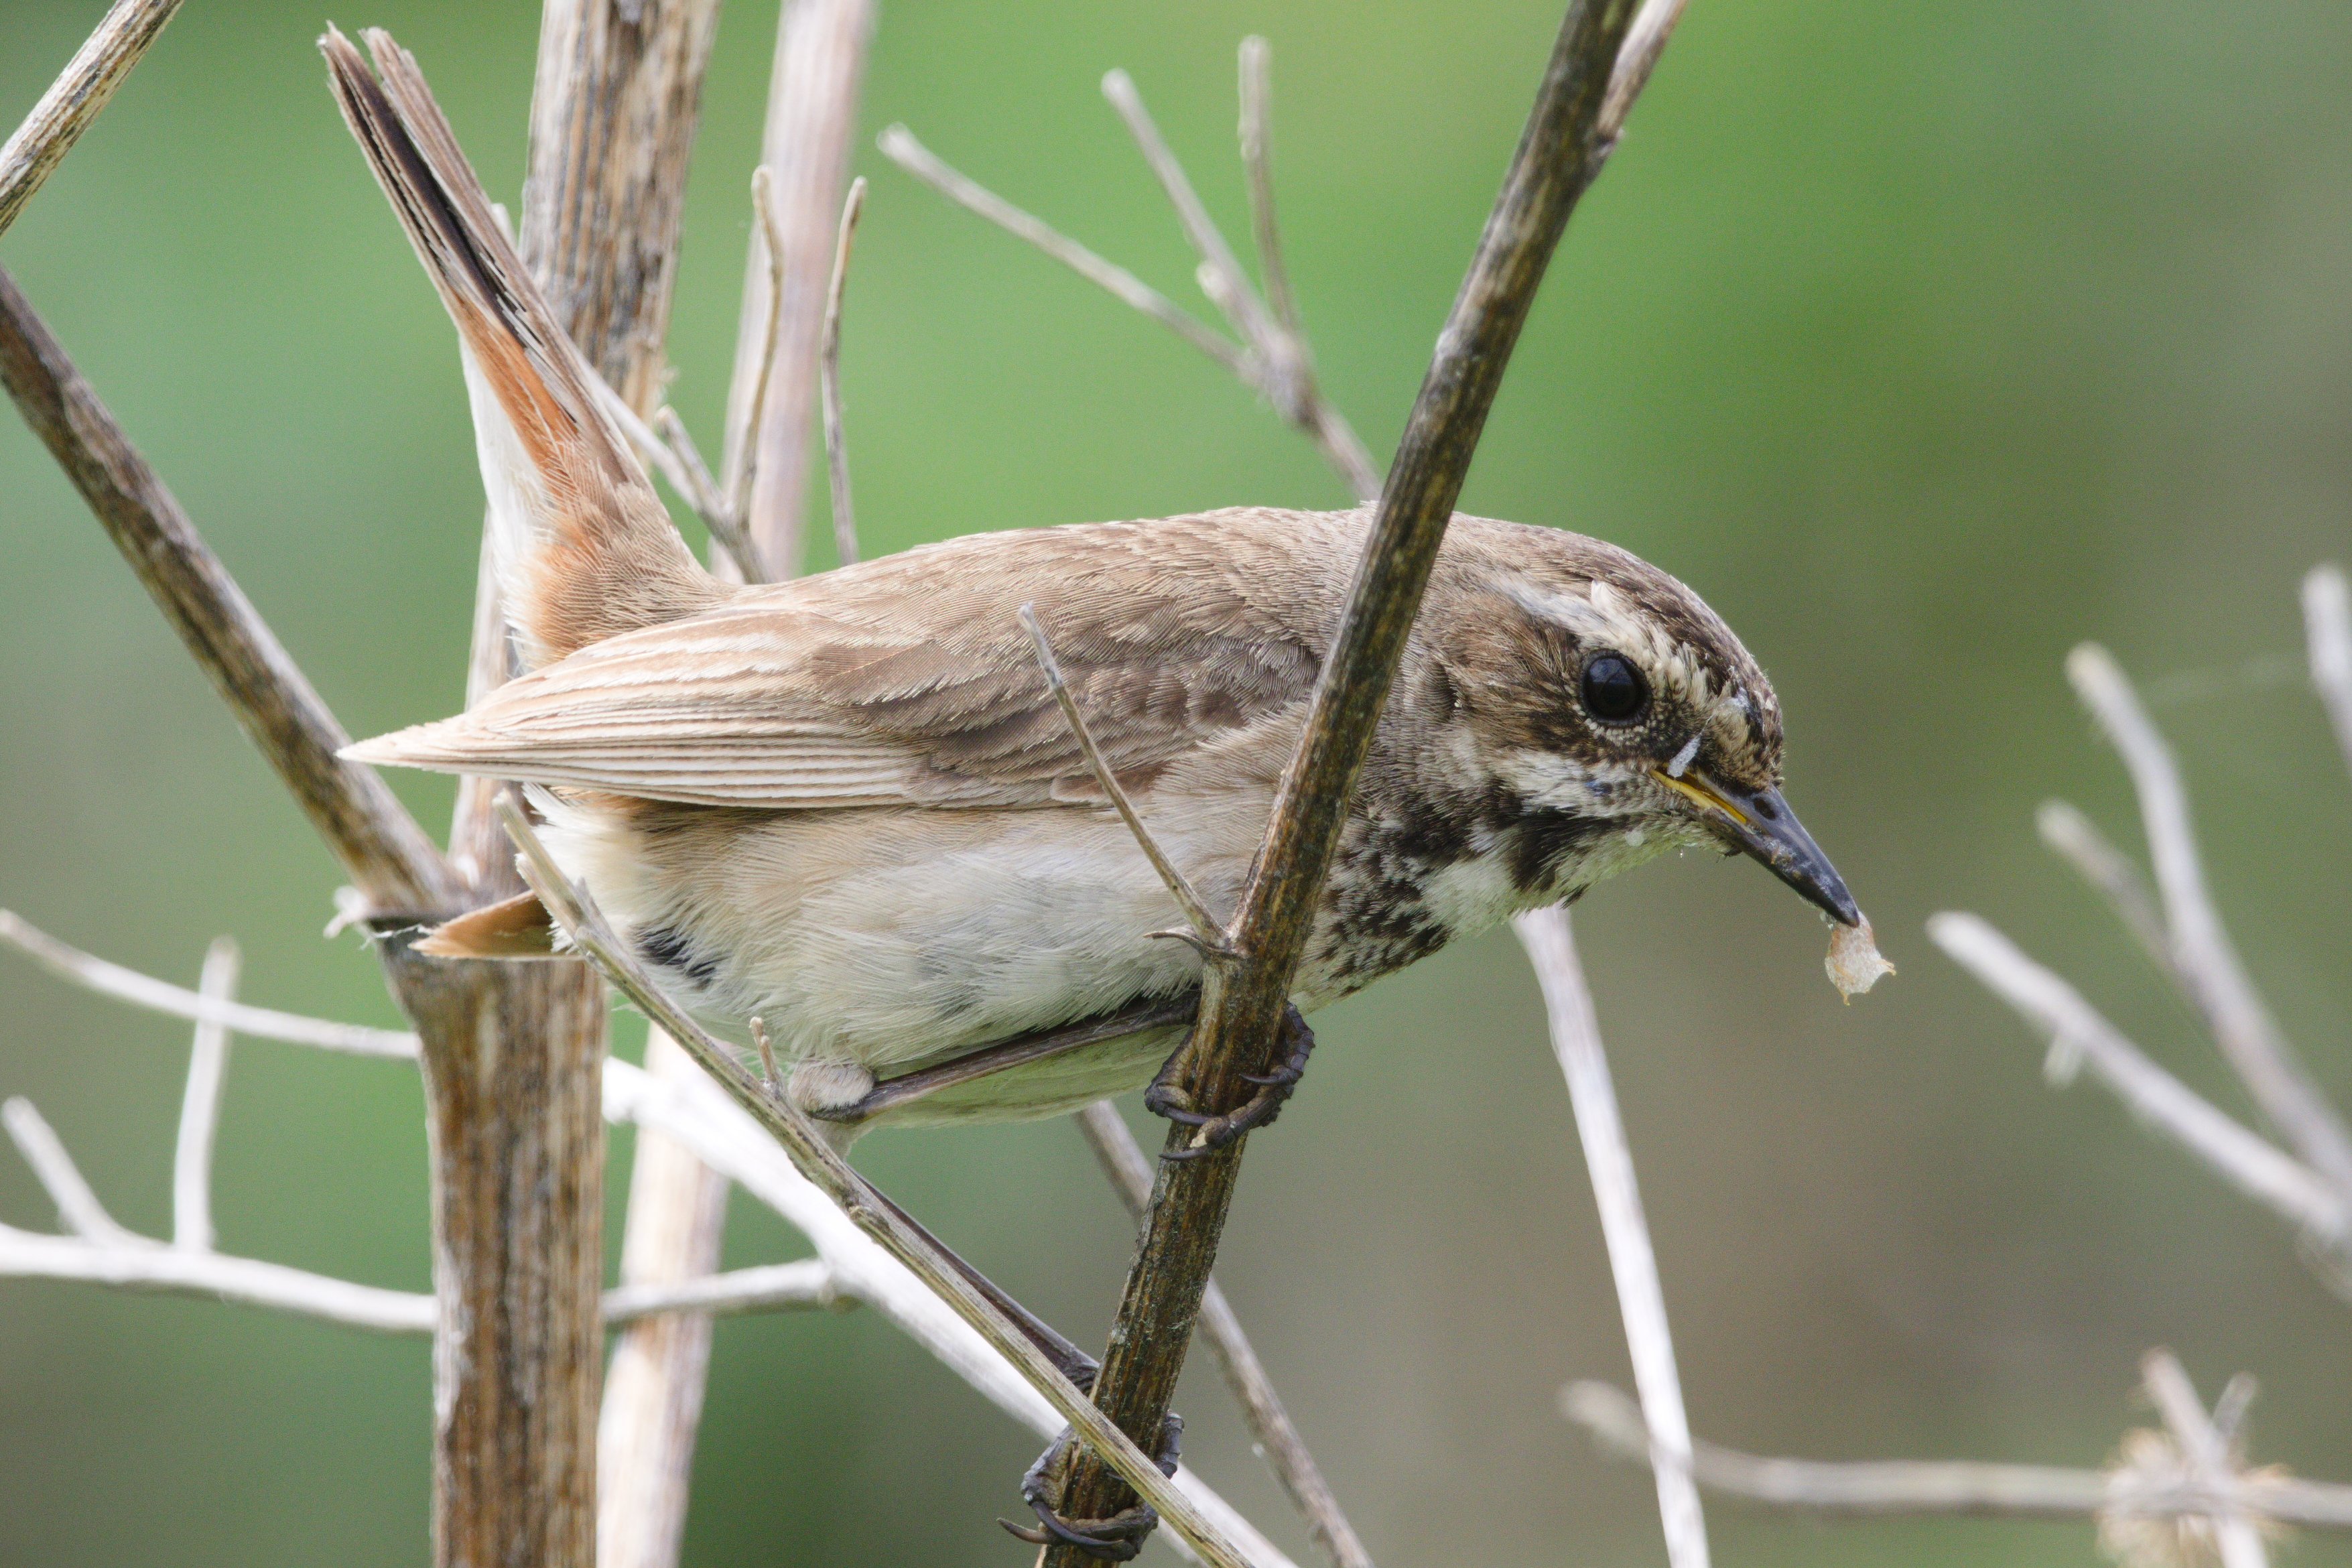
[[1760, 824]]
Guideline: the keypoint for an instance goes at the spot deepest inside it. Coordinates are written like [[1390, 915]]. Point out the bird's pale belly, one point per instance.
[[869, 948]]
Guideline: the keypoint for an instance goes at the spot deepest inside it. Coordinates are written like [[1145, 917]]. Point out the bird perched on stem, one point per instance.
[[850, 805]]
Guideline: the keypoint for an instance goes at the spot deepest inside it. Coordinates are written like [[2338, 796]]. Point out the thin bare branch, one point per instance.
[[2075, 839], [817, 1162], [386, 855], [1640, 1298], [79, 1209], [1277, 1437], [1242, 1006], [192, 1157], [109, 979], [2202, 949], [1645, 41], [1257, 166], [2245, 1160], [1878, 1486], [2327, 622], [898, 146], [140, 1264], [1207, 934], [73, 100], [2210, 1464], [836, 442], [763, 368], [812, 116]]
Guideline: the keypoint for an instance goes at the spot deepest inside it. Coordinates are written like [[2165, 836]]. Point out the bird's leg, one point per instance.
[[1067, 1358], [1113, 1540], [1273, 1087]]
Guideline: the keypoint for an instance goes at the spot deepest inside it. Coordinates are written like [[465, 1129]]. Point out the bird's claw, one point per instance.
[[1165, 1098], [1114, 1539]]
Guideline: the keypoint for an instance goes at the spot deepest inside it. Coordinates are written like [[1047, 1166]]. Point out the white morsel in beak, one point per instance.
[[1854, 963]]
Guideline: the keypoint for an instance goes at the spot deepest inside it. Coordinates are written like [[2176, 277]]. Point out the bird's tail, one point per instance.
[[582, 547]]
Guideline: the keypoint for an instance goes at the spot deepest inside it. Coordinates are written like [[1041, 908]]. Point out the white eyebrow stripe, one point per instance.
[[1683, 758]]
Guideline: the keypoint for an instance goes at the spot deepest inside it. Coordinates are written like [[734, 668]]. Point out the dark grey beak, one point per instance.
[[1758, 823]]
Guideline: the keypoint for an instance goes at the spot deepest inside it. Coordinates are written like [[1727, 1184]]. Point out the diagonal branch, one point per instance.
[[836, 440], [79, 1209], [2327, 623], [2202, 953], [1242, 1004], [2207, 1453], [73, 100], [816, 1161], [386, 855]]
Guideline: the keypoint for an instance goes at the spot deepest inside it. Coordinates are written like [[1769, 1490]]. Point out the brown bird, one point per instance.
[[849, 804]]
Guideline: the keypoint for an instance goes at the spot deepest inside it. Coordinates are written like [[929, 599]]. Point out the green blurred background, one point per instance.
[[1925, 341]]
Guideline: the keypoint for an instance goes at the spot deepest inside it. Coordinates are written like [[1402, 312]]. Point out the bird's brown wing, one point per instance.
[[910, 680]]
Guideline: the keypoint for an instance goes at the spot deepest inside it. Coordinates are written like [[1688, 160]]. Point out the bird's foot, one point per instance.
[[1274, 1088], [1114, 1539]]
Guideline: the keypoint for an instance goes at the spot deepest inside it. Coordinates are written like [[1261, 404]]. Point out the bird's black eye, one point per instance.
[[1613, 690]]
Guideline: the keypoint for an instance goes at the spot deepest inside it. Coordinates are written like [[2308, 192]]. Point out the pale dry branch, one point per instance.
[[2243, 1159], [1645, 41], [192, 1155], [811, 113], [1575, 1029], [63, 112], [1881, 1487], [899, 144], [2208, 963], [1207, 934], [2211, 1464], [1257, 131], [140, 1265], [2327, 625], [2074, 838], [110, 979], [816, 1159], [836, 440], [1124, 1161], [79, 1209]]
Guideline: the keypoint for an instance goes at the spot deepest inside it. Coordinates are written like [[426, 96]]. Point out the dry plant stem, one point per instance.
[[387, 857], [691, 1111], [142, 1265], [2202, 949], [1242, 1003], [654, 1382], [898, 146], [2206, 1452], [1124, 1161], [816, 1161], [1257, 166], [836, 442], [1879, 1486], [109, 979], [191, 1158], [73, 100], [1640, 1298], [2243, 1159], [1645, 41], [79, 1209], [1208, 935], [2071, 836], [1278, 366], [820, 61], [2327, 622]]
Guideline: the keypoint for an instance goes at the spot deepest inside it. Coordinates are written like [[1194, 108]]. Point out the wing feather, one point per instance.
[[909, 680]]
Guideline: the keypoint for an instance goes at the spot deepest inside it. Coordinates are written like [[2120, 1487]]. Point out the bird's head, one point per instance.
[[1604, 694]]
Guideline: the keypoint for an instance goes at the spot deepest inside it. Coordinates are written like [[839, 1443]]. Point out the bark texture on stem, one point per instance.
[[812, 116], [73, 100], [1241, 1007]]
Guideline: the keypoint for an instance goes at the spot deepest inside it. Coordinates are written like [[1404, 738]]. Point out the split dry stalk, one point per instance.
[[73, 100], [1242, 1003]]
